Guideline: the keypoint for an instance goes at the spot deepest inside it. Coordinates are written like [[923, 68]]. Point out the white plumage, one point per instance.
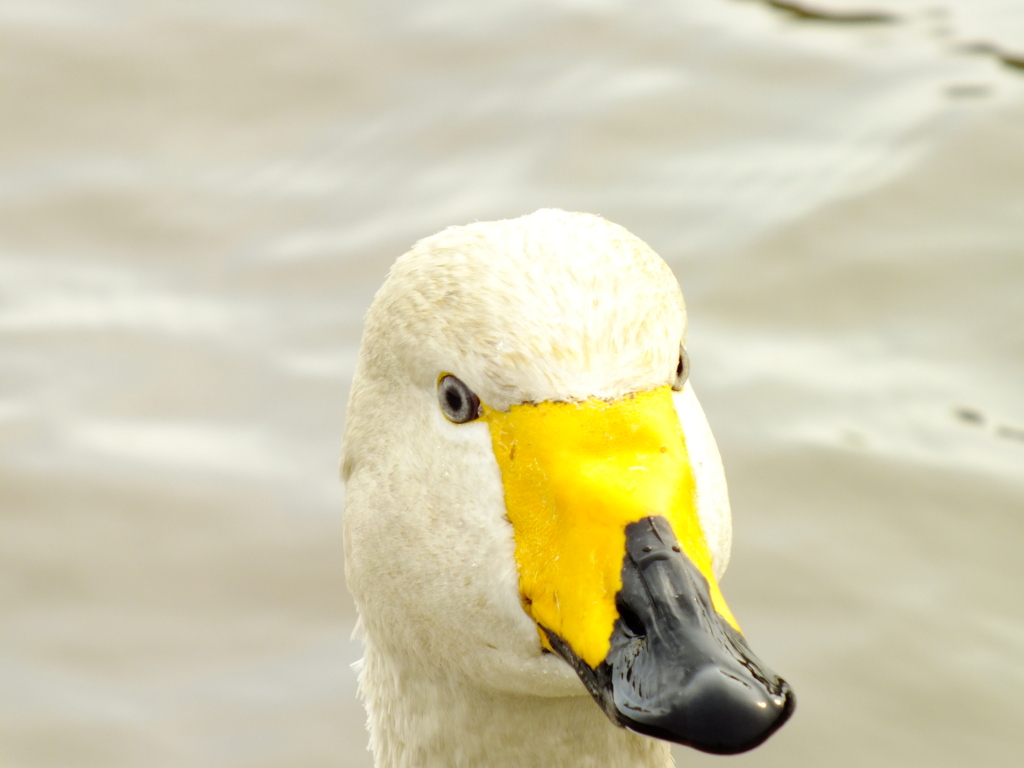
[[551, 306]]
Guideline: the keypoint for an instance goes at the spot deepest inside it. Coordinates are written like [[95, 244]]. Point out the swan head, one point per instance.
[[534, 499]]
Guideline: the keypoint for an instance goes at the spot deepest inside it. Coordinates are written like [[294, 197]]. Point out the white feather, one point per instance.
[[551, 306]]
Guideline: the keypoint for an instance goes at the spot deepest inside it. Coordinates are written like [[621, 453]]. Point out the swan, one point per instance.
[[536, 513]]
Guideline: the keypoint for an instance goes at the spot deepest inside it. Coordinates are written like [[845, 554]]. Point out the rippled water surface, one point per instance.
[[198, 201]]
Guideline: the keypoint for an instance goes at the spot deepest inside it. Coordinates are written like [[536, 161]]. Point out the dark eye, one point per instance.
[[682, 370], [458, 403]]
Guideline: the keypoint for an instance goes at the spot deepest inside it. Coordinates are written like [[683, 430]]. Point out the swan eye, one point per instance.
[[682, 370], [458, 403]]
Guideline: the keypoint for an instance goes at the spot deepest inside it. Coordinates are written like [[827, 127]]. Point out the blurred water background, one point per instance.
[[199, 199]]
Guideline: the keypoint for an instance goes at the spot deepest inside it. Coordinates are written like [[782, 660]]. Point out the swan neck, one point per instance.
[[419, 722]]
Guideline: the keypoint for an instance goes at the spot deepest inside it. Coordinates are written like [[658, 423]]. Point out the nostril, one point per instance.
[[631, 622]]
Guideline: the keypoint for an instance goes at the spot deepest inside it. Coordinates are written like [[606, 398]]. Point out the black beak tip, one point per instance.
[[676, 669], [714, 712]]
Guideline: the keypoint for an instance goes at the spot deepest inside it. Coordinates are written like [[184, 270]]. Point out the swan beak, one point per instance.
[[615, 570]]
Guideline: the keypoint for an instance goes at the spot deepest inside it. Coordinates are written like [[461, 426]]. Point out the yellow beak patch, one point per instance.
[[575, 475]]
